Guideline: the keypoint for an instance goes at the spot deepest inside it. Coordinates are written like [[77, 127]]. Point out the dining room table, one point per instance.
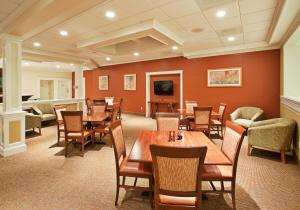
[[94, 117], [183, 113], [140, 151]]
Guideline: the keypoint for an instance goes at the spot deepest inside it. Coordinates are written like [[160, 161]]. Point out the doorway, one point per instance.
[[46, 89]]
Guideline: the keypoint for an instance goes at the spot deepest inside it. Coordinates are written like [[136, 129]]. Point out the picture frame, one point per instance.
[[103, 82], [228, 77], [130, 82]]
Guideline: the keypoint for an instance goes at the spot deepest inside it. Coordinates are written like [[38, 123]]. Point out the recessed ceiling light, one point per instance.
[[72, 64], [26, 63], [110, 14], [136, 54], [231, 38], [221, 13], [64, 33], [107, 58], [174, 48], [57, 66], [36, 44]]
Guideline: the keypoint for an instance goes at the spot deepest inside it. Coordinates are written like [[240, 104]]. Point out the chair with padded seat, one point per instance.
[[202, 119], [218, 124], [167, 121], [59, 120], [231, 145], [177, 176], [189, 106], [245, 116], [74, 129], [123, 167]]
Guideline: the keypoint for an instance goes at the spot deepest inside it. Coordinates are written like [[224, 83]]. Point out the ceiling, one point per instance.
[[149, 27]]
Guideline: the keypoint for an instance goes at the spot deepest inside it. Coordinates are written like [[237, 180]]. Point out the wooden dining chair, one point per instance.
[[202, 120], [231, 145], [123, 167], [189, 106], [88, 103], [74, 129], [99, 107], [218, 124], [177, 176], [99, 101], [103, 128], [59, 120], [167, 121], [120, 109]]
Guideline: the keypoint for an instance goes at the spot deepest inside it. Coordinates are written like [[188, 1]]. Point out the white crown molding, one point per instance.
[[291, 103], [231, 50]]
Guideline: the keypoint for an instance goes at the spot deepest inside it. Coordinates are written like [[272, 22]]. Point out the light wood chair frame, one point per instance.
[[167, 115], [59, 122], [220, 127], [208, 124]]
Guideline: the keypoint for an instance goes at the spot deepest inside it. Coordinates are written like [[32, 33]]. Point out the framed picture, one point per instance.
[[231, 77], [130, 82], [103, 82]]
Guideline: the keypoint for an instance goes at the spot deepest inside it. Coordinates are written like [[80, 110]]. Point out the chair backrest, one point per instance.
[[109, 100], [231, 144], [73, 121], [99, 107], [189, 106], [167, 121], [114, 113], [178, 170], [88, 103], [202, 115], [249, 112], [99, 101], [118, 142], [222, 109], [57, 110]]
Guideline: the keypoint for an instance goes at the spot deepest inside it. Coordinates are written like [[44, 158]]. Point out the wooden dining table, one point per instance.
[[140, 151], [183, 113], [94, 117]]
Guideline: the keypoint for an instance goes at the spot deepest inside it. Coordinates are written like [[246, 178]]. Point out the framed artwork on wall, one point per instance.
[[103, 82], [130, 82], [230, 77]]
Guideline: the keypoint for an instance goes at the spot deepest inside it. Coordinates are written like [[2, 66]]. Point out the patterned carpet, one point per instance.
[[42, 178]]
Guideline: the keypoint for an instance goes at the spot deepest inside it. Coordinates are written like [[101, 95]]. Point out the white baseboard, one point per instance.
[[12, 150]]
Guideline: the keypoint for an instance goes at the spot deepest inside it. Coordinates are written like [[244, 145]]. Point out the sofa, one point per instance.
[[245, 116], [33, 121], [274, 134], [45, 111]]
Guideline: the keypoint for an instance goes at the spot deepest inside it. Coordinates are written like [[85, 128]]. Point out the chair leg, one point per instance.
[[93, 138], [66, 147], [222, 185], [222, 134], [82, 147], [40, 130], [151, 191], [249, 149], [135, 181], [117, 190], [212, 185], [58, 137], [233, 194], [282, 154], [124, 180]]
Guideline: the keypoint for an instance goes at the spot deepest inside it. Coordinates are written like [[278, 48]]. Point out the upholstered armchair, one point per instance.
[[245, 116], [275, 134], [45, 111], [33, 121]]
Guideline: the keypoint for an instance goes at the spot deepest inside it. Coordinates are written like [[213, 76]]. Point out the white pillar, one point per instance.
[[79, 82], [12, 118]]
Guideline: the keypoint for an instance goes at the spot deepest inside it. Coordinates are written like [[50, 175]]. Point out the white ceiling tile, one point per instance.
[[262, 16], [189, 22], [256, 26], [227, 23], [239, 39], [231, 11], [180, 8], [202, 44], [255, 36], [250, 6]]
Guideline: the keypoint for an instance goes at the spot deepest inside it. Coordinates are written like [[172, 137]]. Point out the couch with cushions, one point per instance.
[[245, 116], [274, 134], [45, 111], [33, 121]]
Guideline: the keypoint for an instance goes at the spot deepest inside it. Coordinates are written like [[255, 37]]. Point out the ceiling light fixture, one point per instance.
[[110, 14], [64, 33], [107, 58], [175, 47], [231, 38], [57, 66], [72, 64], [136, 54], [26, 63], [221, 13], [36, 44]]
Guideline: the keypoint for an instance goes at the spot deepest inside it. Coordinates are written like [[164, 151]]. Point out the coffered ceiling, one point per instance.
[[151, 29]]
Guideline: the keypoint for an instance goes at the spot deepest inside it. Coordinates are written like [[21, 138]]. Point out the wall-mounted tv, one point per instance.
[[163, 88]]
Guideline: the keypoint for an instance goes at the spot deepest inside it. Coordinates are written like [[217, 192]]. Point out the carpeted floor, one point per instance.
[[42, 178]]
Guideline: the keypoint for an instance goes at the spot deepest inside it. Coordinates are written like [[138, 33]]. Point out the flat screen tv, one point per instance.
[[163, 88]]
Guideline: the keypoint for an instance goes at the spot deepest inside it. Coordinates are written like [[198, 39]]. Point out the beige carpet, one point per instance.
[[42, 178]]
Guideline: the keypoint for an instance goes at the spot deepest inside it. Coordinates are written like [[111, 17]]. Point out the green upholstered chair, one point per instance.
[[45, 111], [274, 134], [245, 116], [33, 121]]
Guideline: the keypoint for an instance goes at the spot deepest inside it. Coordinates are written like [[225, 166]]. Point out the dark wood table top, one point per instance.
[[140, 151], [95, 116]]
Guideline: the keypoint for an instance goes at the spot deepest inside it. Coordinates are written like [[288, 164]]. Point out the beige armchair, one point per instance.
[[45, 111], [245, 116], [275, 134], [33, 121]]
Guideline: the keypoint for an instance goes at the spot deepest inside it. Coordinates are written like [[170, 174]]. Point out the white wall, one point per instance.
[[31, 80]]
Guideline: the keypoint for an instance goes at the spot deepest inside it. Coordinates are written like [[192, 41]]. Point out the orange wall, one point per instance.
[[260, 78]]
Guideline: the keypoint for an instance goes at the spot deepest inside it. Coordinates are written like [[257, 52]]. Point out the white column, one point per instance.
[[79, 82], [12, 123]]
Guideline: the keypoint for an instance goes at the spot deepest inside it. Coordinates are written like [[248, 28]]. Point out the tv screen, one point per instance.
[[164, 88]]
